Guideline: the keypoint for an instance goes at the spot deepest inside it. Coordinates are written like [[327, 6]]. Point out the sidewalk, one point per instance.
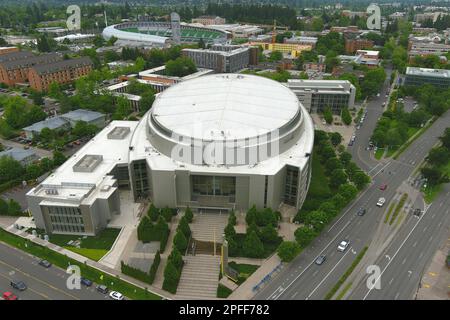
[[245, 290], [89, 262]]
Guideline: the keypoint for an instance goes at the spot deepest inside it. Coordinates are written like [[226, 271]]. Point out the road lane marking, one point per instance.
[[398, 250], [312, 292], [306, 268], [31, 289], [39, 280]]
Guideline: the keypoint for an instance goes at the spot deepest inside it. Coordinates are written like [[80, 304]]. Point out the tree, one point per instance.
[[328, 115], [275, 56], [333, 164], [338, 177], [58, 158], [360, 179], [180, 67], [14, 208], [433, 175], [253, 247], [188, 214], [348, 191], [153, 213], [346, 117], [3, 207], [10, 169], [335, 138], [438, 156], [345, 157], [317, 219], [269, 234], [180, 241], [288, 250], [445, 139], [123, 109], [304, 235], [250, 217], [176, 258], [171, 278], [184, 227], [229, 231], [232, 218]]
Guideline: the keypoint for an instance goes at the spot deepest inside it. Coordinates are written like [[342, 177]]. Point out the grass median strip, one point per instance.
[[347, 273], [114, 283], [399, 206], [391, 207], [413, 138]]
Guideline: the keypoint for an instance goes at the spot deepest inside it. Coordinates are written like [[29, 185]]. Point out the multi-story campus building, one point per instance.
[[64, 71], [15, 66], [209, 20], [353, 45], [420, 76], [316, 95], [214, 143], [5, 50], [292, 49], [223, 58]]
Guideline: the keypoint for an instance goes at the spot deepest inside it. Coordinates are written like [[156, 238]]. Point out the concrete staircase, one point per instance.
[[199, 277], [206, 225]]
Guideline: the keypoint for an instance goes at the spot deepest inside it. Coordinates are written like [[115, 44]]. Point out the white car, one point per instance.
[[343, 245], [116, 295], [381, 201]]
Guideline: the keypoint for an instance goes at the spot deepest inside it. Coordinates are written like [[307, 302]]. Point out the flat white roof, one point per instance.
[[75, 185], [438, 73], [234, 105]]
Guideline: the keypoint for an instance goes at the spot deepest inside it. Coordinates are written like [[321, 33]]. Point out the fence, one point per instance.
[[268, 277]]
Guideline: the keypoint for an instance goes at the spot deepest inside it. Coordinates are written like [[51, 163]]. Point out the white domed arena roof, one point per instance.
[[226, 107]]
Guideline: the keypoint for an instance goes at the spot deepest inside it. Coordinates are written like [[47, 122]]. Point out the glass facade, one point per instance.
[[213, 185], [335, 101], [141, 185], [66, 219], [291, 186]]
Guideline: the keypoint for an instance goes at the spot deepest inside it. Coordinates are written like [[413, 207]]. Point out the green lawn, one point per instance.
[[318, 186], [245, 270], [114, 283], [431, 192], [222, 291], [379, 153], [93, 254], [104, 240]]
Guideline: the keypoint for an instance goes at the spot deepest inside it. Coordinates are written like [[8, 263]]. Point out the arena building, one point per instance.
[[214, 143], [159, 34]]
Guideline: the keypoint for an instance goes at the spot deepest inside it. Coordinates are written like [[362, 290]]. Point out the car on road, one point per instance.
[[19, 285], [417, 212], [102, 289], [9, 296], [381, 202], [116, 295], [86, 282], [320, 260], [45, 263], [361, 212], [343, 245], [383, 187], [350, 143]]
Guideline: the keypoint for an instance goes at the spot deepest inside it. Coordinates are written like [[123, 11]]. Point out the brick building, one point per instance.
[[5, 50], [353, 45], [64, 71], [15, 66]]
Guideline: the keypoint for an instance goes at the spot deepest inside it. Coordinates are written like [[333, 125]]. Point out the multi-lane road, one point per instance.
[[303, 279], [42, 283]]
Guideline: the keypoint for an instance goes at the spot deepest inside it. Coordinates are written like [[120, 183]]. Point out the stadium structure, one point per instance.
[[160, 34], [214, 143]]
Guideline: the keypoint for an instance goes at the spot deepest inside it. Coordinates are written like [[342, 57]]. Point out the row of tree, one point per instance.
[[437, 160]]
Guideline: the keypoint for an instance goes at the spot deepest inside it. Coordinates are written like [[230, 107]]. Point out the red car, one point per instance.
[[383, 187], [9, 296]]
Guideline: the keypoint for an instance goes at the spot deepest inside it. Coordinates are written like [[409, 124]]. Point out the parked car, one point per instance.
[[9, 296], [19, 285], [116, 295], [361, 212], [343, 245], [102, 289], [320, 260], [45, 263], [381, 202], [86, 282]]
